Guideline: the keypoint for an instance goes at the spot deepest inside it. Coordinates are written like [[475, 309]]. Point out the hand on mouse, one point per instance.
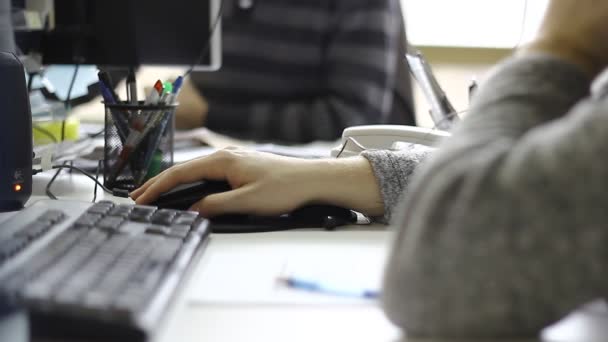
[[268, 184], [576, 30]]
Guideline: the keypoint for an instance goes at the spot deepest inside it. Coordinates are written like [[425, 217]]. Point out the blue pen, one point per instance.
[[313, 286], [121, 125]]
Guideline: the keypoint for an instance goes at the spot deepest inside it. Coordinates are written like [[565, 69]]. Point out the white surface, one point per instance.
[[245, 268], [230, 295], [472, 23], [229, 300]]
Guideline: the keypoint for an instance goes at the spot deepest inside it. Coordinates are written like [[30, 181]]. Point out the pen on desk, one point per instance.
[[318, 287], [131, 87]]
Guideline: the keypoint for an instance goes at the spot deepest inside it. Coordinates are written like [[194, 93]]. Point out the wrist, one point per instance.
[[345, 182]]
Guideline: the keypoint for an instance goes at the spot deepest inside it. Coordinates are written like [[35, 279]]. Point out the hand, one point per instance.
[[193, 107], [267, 184], [576, 30]]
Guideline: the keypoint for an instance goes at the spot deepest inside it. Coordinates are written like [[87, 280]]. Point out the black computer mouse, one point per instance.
[[182, 197], [311, 216]]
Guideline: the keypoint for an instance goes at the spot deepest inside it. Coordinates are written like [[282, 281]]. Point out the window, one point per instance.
[[472, 23]]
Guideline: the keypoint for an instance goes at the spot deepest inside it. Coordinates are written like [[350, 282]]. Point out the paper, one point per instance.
[[248, 273]]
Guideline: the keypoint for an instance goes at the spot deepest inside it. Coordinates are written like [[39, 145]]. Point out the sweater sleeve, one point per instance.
[[393, 170], [360, 66], [504, 230]]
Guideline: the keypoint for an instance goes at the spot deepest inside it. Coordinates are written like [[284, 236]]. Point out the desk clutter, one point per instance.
[[138, 134]]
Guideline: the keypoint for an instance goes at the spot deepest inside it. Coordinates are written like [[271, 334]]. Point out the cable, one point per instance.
[[47, 190], [523, 25], [96, 134], [30, 82], [96, 180], [205, 48], [74, 168], [45, 132]]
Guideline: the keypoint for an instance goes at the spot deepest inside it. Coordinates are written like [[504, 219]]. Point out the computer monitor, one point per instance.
[[7, 39], [126, 33]]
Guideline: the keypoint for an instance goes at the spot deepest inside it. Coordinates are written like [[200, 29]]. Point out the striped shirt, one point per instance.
[[303, 70]]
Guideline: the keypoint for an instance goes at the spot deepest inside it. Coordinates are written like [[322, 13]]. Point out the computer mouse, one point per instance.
[[182, 197], [310, 216]]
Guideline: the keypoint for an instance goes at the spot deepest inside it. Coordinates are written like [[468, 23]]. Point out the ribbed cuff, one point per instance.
[[393, 170]]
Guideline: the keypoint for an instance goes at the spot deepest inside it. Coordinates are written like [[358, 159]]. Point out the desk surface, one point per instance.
[[230, 296], [205, 309]]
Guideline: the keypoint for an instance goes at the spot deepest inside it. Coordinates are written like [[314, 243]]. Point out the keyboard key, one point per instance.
[[110, 223], [51, 216], [101, 208], [12, 246], [34, 230], [87, 220], [179, 231], [185, 219]]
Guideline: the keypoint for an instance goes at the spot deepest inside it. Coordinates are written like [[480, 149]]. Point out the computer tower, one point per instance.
[[16, 150]]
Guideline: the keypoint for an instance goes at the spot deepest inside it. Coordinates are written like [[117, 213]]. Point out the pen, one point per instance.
[[131, 87], [313, 286], [173, 91], [121, 125], [107, 80], [138, 131]]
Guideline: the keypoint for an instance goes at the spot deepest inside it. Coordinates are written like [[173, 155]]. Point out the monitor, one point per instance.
[[126, 33], [7, 39]]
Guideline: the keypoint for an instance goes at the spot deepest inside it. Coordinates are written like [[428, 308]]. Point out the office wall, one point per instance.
[[454, 69]]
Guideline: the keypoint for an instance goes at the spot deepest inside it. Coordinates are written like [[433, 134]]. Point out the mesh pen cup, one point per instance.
[[138, 143]]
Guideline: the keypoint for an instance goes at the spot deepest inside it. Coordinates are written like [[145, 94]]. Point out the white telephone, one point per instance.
[[356, 139]]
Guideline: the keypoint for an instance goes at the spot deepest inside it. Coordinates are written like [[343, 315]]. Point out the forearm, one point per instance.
[[489, 217]]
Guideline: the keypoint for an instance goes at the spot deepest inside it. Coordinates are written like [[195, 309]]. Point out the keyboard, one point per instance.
[[102, 270]]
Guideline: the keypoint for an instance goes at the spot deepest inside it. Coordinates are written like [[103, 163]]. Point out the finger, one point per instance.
[[211, 167], [164, 183], [137, 192], [229, 202]]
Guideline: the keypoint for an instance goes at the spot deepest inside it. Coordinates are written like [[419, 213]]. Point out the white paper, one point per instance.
[[248, 272]]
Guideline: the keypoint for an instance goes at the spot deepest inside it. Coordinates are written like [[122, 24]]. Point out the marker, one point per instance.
[[154, 95], [313, 286], [167, 92]]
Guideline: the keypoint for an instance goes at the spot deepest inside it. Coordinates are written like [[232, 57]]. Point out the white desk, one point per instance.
[[230, 295], [248, 264]]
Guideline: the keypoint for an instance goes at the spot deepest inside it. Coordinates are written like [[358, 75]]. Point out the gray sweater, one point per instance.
[[299, 71], [504, 229]]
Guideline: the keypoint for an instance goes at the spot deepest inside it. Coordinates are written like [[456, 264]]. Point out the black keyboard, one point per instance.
[[100, 270]]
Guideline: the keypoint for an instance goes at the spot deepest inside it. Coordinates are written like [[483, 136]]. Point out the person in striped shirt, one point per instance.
[[303, 70]]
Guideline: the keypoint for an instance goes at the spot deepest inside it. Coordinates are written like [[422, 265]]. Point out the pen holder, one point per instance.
[[138, 143]]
